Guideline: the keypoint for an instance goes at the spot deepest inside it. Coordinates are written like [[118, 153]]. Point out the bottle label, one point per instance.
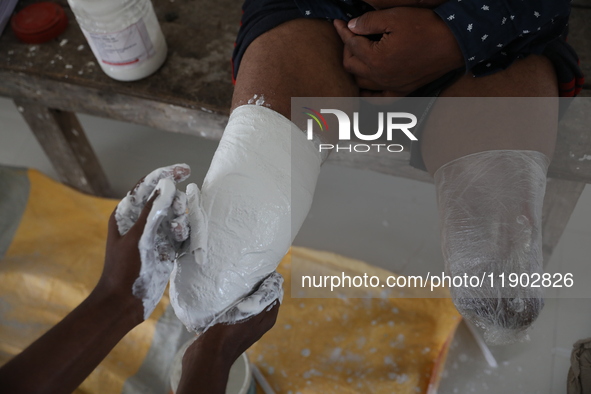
[[123, 49]]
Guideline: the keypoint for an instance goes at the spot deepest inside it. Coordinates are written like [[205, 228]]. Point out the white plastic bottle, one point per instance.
[[124, 35]]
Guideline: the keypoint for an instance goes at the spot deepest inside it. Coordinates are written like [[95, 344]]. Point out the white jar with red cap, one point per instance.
[[124, 35]]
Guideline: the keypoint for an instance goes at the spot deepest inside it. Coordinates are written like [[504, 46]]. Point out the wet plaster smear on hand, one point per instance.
[[252, 204], [166, 227]]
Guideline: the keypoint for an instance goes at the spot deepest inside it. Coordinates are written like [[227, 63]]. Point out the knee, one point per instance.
[[533, 76]]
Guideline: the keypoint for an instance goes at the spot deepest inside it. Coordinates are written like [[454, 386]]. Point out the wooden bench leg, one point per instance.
[[559, 203], [62, 138]]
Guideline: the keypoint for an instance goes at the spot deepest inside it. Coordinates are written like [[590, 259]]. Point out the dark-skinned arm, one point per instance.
[[207, 362], [60, 360]]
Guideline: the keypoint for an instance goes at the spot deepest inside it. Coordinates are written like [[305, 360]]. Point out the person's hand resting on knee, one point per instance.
[[415, 47]]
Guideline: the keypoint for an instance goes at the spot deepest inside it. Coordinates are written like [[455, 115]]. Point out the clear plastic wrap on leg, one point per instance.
[[490, 206]]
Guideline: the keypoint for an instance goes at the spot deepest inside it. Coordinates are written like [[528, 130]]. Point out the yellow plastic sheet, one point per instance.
[[354, 345], [54, 261], [379, 345]]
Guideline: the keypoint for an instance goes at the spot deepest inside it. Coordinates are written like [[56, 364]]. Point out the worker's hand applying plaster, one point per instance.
[[207, 362], [64, 356], [268, 293], [166, 228], [243, 220]]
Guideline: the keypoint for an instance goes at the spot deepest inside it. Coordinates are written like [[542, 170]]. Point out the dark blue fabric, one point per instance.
[[494, 33], [258, 17], [333, 9], [525, 34], [491, 33]]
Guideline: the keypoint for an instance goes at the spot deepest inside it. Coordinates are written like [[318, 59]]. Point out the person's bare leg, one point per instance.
[[255, 197], [300, 58], [489, 158], [450, 133]]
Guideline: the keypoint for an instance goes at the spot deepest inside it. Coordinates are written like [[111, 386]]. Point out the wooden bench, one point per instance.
[[191, 94]]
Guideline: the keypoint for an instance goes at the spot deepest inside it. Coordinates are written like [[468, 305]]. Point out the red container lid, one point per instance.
[[39, 22]]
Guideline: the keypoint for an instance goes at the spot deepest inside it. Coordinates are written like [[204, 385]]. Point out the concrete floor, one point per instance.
[[386, 221]]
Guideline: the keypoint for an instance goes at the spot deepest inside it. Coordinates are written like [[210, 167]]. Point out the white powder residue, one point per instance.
[[310, 373], [585, 157], [252, 204], [361, 342], [305, 352], [399, 342], [257, 100], [335, 354], [63, 42], [80, 47], [252, 100]]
